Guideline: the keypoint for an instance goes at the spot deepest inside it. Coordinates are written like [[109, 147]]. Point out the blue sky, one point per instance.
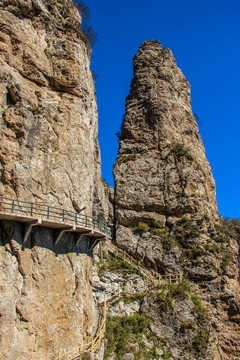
[[204, 36]]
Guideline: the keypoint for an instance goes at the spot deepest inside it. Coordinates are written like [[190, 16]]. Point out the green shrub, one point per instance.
[[171, 292], [122, 333], [125, 158], [141, 228], [187, 326], [199, 309], [165, 301], [185, 228], [180, 290], [129, 299], [35, 110], [179, 151], [226, 261], [200, 340], [194, 253], [122, 330], [115, 264], [105, 183], [223, 234]]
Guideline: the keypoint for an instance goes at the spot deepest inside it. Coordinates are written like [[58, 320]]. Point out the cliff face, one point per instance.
[[49, 154], [47, 304], [49, 148], [161, 155], [165, 205]]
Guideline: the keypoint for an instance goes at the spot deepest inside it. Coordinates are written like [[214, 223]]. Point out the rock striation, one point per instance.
[[165, 204]]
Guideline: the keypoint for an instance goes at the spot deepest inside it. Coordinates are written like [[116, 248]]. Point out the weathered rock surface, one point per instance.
[[47, 304], [49, 149], [161, 157], [49, 154], [165, 204]]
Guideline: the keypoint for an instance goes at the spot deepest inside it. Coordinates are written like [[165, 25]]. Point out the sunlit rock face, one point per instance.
[[161, 168], [49, 149], [165, 202], [161, 171], [49, 154]]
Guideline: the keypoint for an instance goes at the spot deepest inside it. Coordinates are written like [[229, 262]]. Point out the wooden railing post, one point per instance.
[[63, 214], [119, 291], [170, 279], [124, 255], [130, 288], [48, 210], [105, 310], [100, 337]]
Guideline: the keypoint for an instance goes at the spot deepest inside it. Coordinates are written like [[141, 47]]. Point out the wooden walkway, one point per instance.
[[151, 281], [62, 220]]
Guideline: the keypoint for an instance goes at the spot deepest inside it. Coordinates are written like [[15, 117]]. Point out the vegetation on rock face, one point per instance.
[[170, 292], [141, 228], [84, 31], [86, 28], [105, 183], [125, 158], [126, 335], [186, 229], [179, 151], [116, 265]]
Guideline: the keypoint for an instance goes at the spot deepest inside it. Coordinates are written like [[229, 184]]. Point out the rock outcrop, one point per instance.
[[47, 306], [49, 149], [161, 156], [165, 204], [49, 154]]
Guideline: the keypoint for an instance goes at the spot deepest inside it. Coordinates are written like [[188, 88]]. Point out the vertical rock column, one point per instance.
[[161, 171]]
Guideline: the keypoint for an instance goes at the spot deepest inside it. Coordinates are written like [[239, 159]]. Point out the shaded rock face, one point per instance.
[[165, 204], [49, 149]]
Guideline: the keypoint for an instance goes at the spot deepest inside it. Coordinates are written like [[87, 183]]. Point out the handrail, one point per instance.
[[152, 281], [26, 208], [149, 273]]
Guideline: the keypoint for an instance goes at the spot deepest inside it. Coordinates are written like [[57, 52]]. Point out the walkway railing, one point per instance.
[[153, 276], [151, 280], [46, 212]]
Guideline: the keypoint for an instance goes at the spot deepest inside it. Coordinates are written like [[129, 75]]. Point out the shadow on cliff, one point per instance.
[[12, 234]]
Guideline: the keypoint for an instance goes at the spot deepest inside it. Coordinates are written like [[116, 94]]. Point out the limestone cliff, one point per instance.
[[49, 154], [47, 304], [161, 155], [165, 204], [49, 124]]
